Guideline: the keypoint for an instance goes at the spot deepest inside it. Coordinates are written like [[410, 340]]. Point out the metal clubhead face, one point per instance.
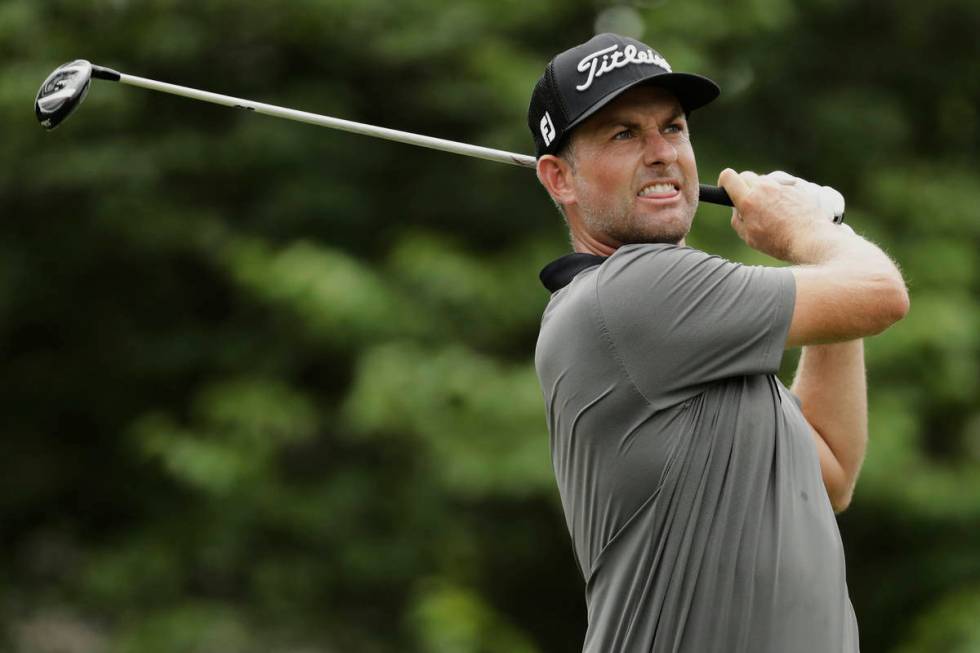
[[61, 92]]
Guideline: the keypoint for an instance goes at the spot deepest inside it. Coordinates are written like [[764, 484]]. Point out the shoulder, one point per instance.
[[638, 279], [655, 262]]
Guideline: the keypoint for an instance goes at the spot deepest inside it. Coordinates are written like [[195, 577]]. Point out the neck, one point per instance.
[[588, 245]]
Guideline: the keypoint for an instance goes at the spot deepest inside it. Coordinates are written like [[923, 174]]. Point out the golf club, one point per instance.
[[66, 87]]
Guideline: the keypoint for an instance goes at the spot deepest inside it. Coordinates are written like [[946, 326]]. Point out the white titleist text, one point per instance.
[[612, 58]]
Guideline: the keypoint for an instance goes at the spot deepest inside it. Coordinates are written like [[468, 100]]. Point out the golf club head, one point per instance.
[[61, 92]]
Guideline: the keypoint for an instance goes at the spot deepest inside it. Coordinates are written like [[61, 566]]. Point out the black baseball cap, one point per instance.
[[580, 81]]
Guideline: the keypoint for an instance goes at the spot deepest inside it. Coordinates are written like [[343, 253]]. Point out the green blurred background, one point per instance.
[[267, 387]]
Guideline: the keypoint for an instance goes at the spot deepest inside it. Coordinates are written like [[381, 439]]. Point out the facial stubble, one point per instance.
[[619, 222]]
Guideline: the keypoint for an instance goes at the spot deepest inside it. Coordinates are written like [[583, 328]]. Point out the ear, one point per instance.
[[555, 174]]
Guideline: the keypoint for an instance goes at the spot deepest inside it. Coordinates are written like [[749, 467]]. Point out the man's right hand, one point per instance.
[[780, 215]]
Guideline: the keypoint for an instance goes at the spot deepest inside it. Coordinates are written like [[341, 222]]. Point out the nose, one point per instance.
[[658, 150]]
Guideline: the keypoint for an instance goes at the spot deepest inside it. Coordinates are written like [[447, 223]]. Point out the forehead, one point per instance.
[[638, 103]]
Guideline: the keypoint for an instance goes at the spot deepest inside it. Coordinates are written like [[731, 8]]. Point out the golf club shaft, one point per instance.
[[711, 194]]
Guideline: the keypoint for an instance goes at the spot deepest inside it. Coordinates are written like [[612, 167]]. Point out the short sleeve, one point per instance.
[[678, 318]]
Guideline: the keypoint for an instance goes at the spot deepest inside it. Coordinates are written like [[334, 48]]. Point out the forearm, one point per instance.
[[857, 265], [847, 288], [828, 244], [830, 382]]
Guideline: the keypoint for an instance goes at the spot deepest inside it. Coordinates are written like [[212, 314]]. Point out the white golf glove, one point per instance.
[[829, 199]]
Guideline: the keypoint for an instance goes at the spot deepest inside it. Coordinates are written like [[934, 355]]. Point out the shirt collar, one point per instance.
[[560, 272]]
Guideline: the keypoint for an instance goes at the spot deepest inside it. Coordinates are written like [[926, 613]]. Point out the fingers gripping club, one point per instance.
[[830, 202]]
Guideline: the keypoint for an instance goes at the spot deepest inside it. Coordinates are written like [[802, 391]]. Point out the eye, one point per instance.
[[623, 135], [674, 128]]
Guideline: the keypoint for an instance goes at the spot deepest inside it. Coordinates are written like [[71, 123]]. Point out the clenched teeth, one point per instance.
[[657, 189]]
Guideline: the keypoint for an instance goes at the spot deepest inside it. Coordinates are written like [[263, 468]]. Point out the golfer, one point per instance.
[[699, 491]]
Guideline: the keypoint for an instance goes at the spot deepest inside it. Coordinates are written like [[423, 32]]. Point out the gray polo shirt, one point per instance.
[[688, 475]]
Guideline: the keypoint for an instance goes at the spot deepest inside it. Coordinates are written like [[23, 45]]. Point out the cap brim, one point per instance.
[[692, 91]]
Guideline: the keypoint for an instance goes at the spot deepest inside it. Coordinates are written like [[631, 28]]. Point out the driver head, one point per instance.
[[61, 92]]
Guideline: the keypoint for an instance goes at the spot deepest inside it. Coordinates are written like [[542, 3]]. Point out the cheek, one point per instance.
[[603, 181], [615, 177], [685, 156], [690, 167]]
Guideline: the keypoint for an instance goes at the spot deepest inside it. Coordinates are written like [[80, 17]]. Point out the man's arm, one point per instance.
[[830, 383], [846, 289]]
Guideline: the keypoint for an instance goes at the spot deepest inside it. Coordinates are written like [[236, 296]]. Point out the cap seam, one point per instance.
[[556, 92]]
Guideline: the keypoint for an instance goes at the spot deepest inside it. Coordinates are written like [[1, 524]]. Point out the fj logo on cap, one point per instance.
[[547, 129], [612, 59]]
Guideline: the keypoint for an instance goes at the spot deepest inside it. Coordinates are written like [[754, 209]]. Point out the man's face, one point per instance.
[[634, 176]]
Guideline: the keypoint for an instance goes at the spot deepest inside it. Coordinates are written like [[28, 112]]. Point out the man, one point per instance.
[[699, 492]]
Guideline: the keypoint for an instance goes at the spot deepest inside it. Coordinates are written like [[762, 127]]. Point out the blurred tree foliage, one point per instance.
[[269, 388]]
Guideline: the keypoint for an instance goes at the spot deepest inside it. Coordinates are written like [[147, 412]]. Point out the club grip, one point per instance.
[[715, 195], [718, 195]]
